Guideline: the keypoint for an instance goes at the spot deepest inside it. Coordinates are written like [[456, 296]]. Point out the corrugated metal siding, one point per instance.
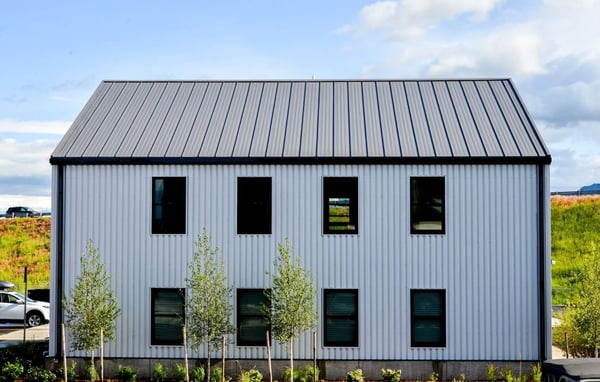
[[394, 119], [486, 261]]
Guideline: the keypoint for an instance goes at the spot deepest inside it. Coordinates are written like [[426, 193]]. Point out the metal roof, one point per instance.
[[349, 121]]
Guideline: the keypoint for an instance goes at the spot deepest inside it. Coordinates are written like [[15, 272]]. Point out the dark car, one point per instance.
[[22, 212], [571, 370]]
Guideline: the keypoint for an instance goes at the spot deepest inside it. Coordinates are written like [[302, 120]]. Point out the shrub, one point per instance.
[[251, 375], [355, 375], [491, 373], [508, 375], [126, 373], [179, 373], [91, 373], [39, 374], [434, 376], [391, 374], [12, 370], [536, 372], [71, 372], [216, 374], [302, 375], [159, 373], [197, 374]]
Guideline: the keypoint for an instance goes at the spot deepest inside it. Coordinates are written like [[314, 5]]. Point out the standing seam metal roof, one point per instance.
[[354, 121]]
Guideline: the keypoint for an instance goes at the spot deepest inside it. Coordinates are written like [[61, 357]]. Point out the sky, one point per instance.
[[53, 55]]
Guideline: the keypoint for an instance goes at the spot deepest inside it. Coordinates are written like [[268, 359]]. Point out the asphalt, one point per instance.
[[15, 333]]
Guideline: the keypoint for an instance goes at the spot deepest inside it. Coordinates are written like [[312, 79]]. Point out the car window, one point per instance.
[[12, 299]]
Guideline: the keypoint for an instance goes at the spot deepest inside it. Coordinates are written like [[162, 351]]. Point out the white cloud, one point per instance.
[[410, 19], [22, 159], [35, 127], [39, 203]]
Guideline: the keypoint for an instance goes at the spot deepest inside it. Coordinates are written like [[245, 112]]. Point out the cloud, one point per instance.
[[35, 127], [411, 19]]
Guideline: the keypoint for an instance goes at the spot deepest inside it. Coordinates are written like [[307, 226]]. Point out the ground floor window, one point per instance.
[[252, 323], [341, 317], [428, 317], [168, 316]]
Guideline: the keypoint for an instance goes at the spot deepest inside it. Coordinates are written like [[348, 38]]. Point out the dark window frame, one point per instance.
[[254, 205], [153, 330], [427, 181], [352, 342], [340, 187], [172, 206], [441, 318], [240, 318]]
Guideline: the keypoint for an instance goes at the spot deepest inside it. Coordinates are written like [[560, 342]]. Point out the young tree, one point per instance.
[[292, 300], [208, 307], [91, 307]]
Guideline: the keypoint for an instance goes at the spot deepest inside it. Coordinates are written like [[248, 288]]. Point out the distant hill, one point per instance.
[[591, 187], [25, 242]]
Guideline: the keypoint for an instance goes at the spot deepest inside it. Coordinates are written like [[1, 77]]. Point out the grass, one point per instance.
[[25, 242], [575, 233]]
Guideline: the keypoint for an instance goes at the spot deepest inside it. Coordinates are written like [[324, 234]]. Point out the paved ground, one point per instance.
[[15, 333]]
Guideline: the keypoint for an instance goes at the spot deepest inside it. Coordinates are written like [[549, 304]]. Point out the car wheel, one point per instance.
[[34, 319]]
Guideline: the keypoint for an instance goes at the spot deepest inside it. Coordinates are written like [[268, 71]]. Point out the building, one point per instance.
[[421, 208]]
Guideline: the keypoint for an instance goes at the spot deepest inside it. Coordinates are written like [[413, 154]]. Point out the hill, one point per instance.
[[25, 242], [575, 234]]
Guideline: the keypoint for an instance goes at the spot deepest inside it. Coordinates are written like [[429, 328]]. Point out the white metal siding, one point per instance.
[[487, 261]]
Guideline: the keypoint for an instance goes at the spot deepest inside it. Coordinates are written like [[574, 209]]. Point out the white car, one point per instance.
[[12, 307]]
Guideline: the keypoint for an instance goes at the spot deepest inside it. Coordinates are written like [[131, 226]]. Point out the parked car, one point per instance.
[[12, 308], [571, 370], [22, 212]]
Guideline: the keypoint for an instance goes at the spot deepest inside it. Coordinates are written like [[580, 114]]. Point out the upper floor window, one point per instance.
[[167, 316], [340, 205], [168, 205], [254, 206], [428, 317], [252, 323], [341, 317], [427, 214]]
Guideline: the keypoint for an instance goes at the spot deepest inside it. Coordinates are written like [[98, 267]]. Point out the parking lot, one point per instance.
[[15, 333]]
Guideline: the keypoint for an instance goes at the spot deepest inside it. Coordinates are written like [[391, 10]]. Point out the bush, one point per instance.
[[179, 373], [197, 374], [160, 373], [12, 370], [71, 372], [391, 375], [39, 374], [91, 373], [251, 375], [216, 374], [355, 375], [126, 373], [302, 375]]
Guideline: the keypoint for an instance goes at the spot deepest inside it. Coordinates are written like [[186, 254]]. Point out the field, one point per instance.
[[575, 234], [25, 242]]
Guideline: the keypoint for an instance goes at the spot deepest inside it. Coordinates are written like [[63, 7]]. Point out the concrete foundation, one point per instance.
[[329, 369]]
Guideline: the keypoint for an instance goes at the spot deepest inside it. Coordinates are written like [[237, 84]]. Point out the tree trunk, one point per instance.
[[208, 360], [291, 360]]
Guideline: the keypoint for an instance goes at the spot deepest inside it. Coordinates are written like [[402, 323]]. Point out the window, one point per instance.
[[254, 206], [340, 205], [168, 316], [427, 205], [168, 205], [341, 317], [428, 318], [252, 324]]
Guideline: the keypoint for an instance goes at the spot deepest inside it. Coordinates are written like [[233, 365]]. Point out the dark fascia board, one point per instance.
[[296, 160]]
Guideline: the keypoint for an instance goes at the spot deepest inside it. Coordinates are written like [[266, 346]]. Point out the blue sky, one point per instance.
[[54, 55]]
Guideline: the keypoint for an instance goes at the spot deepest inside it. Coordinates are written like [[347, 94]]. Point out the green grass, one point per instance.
[[575, 233], [25, 242]]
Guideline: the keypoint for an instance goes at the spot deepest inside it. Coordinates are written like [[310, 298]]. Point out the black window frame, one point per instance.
[[415, 319], [180, 317], [254, 205], [241, 318], [429, 186], [172, 206], [327, 315], [340, 188]]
